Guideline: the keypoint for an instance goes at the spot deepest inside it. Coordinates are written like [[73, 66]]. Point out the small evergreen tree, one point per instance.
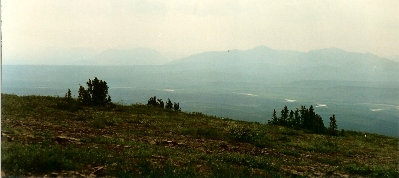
[[318, 125], [68, 95], [291, 119], [68, 103], [152, 101], [160, 103], [83, 96], [274, 117], [303, 113], [333, 128], [308, 118], [169, 105], [284, 116], [176, 107], [297, 119]]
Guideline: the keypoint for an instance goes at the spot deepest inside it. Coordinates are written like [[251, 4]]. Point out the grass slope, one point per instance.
[[40, 138]]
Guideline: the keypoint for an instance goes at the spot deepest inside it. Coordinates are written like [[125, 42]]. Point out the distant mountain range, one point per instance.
[[257, 64], [262, 63]]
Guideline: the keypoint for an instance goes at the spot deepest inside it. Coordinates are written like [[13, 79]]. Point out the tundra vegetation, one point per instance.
[[91, 136]]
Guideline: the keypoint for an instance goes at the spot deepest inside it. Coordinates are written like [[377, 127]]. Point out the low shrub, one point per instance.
[[207, 132], [70, 105], [35, 159], [241, 133]]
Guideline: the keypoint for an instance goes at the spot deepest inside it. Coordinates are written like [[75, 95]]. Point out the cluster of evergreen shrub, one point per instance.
[[96, 93], [304, 118], [153, 101]]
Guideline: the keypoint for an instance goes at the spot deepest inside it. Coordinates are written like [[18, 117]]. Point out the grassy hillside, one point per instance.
[[41, 137]]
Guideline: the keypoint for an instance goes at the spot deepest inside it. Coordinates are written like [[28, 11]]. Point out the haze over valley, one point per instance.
[[360, 88]]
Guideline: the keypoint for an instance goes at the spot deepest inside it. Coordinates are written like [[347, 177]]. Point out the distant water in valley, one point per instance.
[[363, 107]]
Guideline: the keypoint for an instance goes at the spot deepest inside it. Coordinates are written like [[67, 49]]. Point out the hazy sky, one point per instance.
[[182, 27]]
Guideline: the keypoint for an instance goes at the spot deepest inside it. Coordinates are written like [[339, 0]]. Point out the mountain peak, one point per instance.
[[329, 50], [262, 47]]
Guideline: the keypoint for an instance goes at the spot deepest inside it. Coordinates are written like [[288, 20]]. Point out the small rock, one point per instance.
[[152, 142], [65, 139], [157, 157], [170, 142], [98, 170]]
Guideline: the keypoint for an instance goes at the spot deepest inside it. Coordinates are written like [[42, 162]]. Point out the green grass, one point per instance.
[[143, 141], [21, 158]]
